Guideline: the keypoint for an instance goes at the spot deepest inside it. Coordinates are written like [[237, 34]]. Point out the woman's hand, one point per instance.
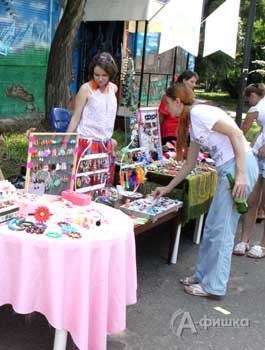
[[261, 153], [240, 188], [160, 191]]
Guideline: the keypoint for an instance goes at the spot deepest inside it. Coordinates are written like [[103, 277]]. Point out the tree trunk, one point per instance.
[[59, 70]]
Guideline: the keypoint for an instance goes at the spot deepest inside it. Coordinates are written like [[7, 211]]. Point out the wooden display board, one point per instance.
[[149, 131], [51, 162]]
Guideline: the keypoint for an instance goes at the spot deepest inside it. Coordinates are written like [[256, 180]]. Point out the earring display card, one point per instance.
[[149, 131], [92, 172], [51, 162], [151, 208]]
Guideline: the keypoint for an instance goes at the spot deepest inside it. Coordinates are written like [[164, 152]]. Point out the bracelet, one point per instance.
[[53, 234], [74, 234], [68, 228], [26, 223], [35, 229], [40, 225], [19, 225], [62, 223], [14, 225]]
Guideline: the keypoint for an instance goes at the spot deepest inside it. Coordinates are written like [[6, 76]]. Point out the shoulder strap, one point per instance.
[[112, 87], [90, 89]]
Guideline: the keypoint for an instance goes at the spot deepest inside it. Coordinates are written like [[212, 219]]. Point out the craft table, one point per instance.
[[80, 285], [195, 191]]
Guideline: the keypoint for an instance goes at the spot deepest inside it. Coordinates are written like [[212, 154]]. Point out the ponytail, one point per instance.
[[185, 94], [182, 132]]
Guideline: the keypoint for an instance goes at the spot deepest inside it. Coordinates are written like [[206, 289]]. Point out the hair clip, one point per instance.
[[61, 152], [57, 182], [54, 152], [65, 179], [86, 180]]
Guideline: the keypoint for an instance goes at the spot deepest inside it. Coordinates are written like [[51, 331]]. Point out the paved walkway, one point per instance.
[[151, 325]]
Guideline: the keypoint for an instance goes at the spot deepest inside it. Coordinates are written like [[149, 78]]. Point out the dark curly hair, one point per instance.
[[105, 61], [187, 75]]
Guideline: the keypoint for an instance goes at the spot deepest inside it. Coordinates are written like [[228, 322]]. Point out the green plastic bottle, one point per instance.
[[240, 203]]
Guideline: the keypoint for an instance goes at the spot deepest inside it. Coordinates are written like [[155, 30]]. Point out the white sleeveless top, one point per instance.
[[98, 115]]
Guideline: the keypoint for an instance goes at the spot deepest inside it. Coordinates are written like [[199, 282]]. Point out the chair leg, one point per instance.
[[60, 339], [174, 255]]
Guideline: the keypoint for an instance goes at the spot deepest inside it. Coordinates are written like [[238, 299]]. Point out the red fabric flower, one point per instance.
[[42, 214]]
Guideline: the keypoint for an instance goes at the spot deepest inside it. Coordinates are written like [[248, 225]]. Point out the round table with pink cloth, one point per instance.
[[80, 285]]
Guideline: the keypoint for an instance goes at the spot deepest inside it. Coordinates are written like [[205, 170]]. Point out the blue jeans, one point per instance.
[[214, 259]]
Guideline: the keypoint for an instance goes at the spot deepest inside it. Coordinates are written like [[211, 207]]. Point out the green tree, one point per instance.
[[220, 70]]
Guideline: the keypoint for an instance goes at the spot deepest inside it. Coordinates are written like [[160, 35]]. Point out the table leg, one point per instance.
[[176, 245], [60, 339], [198, 229]]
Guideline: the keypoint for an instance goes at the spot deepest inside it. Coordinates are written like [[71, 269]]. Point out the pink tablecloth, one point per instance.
[[82, 285]]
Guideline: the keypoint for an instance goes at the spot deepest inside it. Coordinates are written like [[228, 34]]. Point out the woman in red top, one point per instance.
[[169, 124]]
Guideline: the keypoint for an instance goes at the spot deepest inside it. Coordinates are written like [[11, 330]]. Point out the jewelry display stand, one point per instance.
[[92, 172], [51, 162], [132, 167], [149, 131]]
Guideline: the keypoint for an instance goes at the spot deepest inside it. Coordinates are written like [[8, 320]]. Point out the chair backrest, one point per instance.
[[60, 118]]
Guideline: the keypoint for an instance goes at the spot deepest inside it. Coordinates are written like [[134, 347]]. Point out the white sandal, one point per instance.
[[188, 281], [256, 252], [241, 248], [198, 291]]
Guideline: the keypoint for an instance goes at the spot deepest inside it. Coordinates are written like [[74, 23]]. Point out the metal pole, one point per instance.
[[135, 41], [142, 68], [174, 63], [148, 90], [187, 61], [246, 57]]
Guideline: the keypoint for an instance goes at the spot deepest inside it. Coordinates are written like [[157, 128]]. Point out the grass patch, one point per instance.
[[220, 99], [252, 132], [15, 146], [119, 136], [13, 153]]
